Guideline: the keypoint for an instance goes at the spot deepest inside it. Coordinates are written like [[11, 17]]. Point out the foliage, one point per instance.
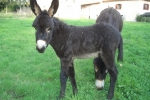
[[27, 75], [3, 4], [142, 19], [12, 6], [138, 18], [148, 19], [4, 1]]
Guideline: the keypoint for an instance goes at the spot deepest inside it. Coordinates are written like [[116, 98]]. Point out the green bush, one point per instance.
[[142, 19], [12, 7], [138, 18], [148, 19]]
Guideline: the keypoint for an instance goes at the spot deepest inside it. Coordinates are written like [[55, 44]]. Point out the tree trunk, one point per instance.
[[6, 9]]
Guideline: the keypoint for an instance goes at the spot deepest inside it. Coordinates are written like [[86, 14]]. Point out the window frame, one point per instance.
[[118, 6], [145, 6]]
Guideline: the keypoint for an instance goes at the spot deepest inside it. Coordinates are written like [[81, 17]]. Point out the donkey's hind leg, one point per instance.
[[113, 77], [72, 78], [108, 57]]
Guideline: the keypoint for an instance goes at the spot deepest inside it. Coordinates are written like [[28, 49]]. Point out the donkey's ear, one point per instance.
[[53, 8], [35, 7]]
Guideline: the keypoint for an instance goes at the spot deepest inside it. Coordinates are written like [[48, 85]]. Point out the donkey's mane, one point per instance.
[[44, 12], [59, 24]]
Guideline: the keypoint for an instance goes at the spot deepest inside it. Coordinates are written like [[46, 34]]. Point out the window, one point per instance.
[[146, 7], [118, 6]]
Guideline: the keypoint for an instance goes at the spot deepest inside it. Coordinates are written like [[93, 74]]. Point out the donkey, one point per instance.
[[70, 42], [113, 17]]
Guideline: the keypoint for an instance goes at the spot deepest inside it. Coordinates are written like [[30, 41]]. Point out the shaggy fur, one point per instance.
[[71, 42], [113, 17], [83, 40]]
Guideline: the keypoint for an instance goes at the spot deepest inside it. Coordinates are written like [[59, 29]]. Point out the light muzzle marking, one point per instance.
[[41, 44], [99, 83]]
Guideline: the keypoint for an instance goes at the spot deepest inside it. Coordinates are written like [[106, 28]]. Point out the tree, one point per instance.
[[23, 3], [4, 4], [12, 5]]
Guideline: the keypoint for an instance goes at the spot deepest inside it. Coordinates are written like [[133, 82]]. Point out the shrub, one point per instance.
[[143, 19], [148, 19], [138, 18], [12, 7]]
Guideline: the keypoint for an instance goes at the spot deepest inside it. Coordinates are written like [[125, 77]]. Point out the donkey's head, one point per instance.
[[43, 24], [100, 73]]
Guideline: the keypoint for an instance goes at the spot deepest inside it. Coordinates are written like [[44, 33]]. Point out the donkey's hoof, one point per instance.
[[59, 98], [75, 92], [110, 97]]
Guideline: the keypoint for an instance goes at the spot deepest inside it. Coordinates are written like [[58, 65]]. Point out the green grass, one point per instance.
[[26, 74]]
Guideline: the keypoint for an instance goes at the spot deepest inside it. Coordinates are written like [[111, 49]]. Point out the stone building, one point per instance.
[[90, 9]]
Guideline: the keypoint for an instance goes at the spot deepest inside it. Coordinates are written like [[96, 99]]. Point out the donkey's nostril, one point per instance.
[[101, 88], [99, 84], [41, 44], [40, 50]]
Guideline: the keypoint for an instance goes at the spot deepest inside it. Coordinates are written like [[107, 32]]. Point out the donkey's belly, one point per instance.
[[88, 55]]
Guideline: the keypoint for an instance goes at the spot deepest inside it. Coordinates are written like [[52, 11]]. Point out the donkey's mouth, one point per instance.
[[40, 50], [41, 46]]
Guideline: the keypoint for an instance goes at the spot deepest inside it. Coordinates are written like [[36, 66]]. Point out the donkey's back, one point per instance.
[[88, 41], [112, 16]]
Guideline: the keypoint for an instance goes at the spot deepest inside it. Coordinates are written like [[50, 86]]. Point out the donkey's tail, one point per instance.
[[120, 50]]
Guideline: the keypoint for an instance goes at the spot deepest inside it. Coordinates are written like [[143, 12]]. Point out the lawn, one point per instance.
[[26, 74]]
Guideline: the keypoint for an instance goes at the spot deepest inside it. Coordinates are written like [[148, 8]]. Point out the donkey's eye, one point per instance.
[[48, 29]]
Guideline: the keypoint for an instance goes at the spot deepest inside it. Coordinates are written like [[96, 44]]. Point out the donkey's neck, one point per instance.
[[61, 32], [60, 27]]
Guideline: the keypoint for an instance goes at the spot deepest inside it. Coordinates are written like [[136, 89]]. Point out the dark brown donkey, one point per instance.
[[113, 17], [71, 42]]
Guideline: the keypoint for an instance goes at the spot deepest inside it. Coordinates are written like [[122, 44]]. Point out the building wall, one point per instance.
[[69, 9], [75, 9], [129, 9], [89, 11]]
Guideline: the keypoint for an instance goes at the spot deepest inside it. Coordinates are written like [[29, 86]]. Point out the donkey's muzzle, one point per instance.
[[41, 46], [99, 84], [40, 50]]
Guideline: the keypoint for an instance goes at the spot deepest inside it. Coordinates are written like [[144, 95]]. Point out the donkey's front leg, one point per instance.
[[63, 76], [72, 78]]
